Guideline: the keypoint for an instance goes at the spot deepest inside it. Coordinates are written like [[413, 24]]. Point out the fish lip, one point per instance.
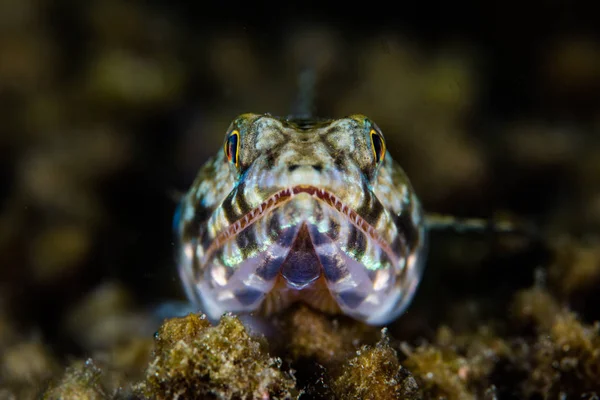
[[282, 196]]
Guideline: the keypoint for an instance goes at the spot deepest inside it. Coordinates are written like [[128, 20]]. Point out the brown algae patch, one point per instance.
[[82, 380], [534, 306], [314, 335], [194, 360], [375, 373], [576, 268], [457, 366], [25, 368], [440, 374], [563, 358]]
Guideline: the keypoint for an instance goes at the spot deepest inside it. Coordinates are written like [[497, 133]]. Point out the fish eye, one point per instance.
[[232, 146], [378, 146]]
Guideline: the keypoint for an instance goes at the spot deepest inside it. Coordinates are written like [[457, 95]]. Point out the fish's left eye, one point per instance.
[[378, 145], [232, 145]]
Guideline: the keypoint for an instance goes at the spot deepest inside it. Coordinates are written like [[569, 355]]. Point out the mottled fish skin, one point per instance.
[[308, 213]]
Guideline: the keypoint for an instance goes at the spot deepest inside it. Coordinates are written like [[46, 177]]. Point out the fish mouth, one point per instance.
[[282, 196]]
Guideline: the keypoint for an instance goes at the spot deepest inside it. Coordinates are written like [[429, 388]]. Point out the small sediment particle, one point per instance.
[[375, 373], [194, 360]]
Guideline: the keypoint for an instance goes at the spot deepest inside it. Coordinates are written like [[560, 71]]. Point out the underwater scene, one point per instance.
[[245, 201]]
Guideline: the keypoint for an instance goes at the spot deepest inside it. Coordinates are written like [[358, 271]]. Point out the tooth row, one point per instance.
[[246, 220], [289, 192]]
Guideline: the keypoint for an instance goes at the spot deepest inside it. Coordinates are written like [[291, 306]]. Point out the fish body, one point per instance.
[[292, 210]]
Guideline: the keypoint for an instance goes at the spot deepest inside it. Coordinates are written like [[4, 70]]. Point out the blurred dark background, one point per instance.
[[108, 108]]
